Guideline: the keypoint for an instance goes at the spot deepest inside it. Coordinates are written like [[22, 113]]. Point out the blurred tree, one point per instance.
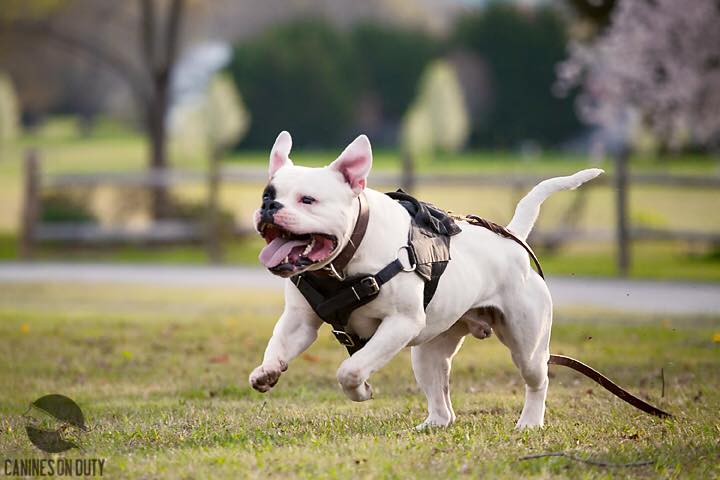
[[298, 77], [520, 48], [658, 61], [227, 123], [9, 115], [390, 61], [322, 83], [228, 119], [212, 122], [438, 119], [146, 68], [215, 121]]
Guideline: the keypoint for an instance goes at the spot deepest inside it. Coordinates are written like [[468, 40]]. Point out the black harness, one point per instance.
[[334, 298]]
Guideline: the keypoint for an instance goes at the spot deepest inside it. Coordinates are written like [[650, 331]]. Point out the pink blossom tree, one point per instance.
[[658, 61]]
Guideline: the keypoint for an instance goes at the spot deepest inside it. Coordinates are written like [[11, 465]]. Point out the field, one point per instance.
[[113, 149], [161, 375]]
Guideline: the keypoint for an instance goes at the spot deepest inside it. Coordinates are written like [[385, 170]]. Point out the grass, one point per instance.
[[112, 148], [161, 376]]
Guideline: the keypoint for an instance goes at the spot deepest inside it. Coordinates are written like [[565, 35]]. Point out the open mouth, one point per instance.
[[286, 253]]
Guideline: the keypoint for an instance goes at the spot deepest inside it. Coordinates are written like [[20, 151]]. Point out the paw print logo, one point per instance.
[[54, 423]]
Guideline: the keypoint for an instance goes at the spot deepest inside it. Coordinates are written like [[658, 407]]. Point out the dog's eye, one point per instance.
[[307, 200]]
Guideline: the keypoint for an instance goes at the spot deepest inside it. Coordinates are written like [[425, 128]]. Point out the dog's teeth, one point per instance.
[[309, 247], [287, 259]]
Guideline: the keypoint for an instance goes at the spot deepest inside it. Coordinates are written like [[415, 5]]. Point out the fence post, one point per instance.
[[30, 209], [622, 229], [213, 227], [407, 178]]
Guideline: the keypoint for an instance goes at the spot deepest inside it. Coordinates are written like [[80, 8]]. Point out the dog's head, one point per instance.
[[307, 214]]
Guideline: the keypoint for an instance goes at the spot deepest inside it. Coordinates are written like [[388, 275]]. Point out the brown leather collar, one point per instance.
[[337, 266]]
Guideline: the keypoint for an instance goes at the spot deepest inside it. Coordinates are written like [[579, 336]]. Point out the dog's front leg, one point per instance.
[[294, 332], [392, 335]]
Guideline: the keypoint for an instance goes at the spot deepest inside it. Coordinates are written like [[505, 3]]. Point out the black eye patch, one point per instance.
[[269, 193]]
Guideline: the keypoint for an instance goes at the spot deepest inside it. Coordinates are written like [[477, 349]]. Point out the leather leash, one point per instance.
[[607, 384]]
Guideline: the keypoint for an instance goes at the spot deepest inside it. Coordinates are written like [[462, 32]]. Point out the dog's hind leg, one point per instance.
[[431, 363], [525, 330]]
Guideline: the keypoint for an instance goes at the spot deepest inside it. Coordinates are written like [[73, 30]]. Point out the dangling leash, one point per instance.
[[607, 384], [334, 297]]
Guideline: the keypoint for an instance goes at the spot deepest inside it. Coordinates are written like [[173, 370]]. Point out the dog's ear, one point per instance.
[[355, 163], [280, 154]]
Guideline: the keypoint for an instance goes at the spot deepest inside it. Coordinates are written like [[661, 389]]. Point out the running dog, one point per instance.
[[307, 218]]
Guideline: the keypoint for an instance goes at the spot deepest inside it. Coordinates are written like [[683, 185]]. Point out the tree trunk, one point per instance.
[[159, 47], [157, 133]]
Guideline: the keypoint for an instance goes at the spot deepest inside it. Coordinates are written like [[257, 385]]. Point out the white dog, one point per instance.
[[488, 281]]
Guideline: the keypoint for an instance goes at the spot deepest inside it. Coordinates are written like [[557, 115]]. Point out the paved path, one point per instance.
[[630, 295]]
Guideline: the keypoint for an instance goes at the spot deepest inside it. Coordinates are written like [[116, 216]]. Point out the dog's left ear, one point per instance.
[[355, 163]]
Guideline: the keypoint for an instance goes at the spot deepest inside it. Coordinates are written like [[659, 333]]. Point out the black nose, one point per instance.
[[269, 209]]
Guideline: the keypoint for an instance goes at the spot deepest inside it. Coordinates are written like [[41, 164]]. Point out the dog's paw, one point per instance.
[[360, 393], [434, 422], [353, 382], [264, 377], [528, 425]]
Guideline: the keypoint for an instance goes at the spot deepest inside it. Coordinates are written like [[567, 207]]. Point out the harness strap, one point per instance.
[[351, 342], [312, 296], [350, 297]]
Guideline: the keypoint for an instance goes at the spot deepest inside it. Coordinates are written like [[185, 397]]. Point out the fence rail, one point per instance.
[[34, 231], [90, 234], [249, 175]]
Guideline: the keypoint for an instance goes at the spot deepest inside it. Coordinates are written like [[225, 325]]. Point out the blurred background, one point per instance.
[[139, 131]]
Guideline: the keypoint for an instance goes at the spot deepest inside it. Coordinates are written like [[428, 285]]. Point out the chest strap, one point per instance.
[[353, 293]]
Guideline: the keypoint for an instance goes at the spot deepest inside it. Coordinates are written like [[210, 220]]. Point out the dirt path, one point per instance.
[[615, 294]]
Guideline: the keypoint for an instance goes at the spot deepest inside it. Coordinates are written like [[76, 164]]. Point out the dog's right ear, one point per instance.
[[280, 154]]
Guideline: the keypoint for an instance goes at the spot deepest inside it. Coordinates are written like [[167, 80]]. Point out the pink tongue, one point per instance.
[[276, 251]]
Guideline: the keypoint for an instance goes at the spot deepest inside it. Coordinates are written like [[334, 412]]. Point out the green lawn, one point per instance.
[[161, 375], [112, 148]]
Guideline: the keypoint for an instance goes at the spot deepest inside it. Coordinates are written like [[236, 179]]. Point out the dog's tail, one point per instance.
[[528, 208]]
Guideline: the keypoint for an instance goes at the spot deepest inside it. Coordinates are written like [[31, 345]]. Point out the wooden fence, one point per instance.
[[33, 230]]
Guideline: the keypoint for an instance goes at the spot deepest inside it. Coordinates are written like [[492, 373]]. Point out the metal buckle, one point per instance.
[[412, 259], [344, 338], [334, 273], [372, 283]]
